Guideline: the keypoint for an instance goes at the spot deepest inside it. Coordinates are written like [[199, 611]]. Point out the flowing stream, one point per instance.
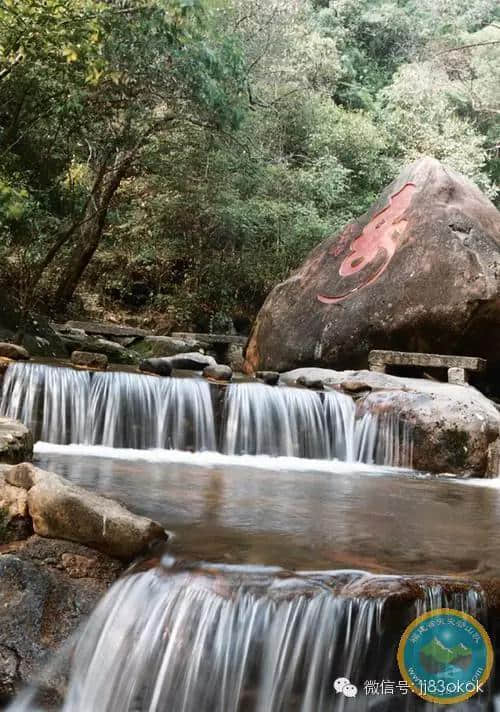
[[262, 599], [128, 410]]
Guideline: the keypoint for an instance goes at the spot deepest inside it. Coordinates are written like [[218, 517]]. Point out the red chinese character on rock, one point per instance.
[[380, 235]]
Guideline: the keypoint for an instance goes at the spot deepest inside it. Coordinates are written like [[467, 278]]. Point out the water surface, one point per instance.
[[346, 515]]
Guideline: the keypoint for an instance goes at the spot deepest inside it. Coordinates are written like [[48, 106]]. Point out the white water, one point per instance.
[[61, 405], [213, 459], [138, 412], [240, 639]]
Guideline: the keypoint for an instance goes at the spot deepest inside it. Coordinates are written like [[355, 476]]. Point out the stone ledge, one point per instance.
[[61, 510]]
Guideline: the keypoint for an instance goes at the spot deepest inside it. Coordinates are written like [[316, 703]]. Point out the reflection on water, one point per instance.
[[350, 516]]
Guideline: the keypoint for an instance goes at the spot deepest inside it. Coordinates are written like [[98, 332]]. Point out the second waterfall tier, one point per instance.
[[128, 410]]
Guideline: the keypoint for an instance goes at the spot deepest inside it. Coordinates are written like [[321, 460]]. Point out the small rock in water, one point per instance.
[[355, 386], [269, 377], [159, 366], [313, 383], [13, 351], [86, 359], [218, 373], [190, 361]]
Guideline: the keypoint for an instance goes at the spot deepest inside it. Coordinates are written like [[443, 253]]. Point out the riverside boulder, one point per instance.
[[453, 429], [61, 510], [420, 271]]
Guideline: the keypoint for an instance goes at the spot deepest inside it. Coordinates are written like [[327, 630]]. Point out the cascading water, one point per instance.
[[247, 639], [127, 410], [61, 405], [262, 420]]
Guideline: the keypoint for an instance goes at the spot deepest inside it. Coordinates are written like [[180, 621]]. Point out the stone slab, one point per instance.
[[96, 327], [210, 338], [380, 358]]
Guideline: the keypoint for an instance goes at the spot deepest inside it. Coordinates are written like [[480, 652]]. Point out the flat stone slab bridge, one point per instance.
[[458, 366]]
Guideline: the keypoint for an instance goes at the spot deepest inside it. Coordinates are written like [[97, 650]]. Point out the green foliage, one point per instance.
[[249, 131]]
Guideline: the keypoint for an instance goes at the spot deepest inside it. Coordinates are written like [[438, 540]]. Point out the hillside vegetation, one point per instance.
[[166, 162]]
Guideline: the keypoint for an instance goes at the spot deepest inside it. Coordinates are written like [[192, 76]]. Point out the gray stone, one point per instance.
[[86, 359], [166, 346], [158, 366], [314, 383], [190, 361], [101, 328], [13, 351], [458, 376], [60, 510], [16, 442], [211, 339], [47, 588], [271, 378], [218, 373], [116, 353]]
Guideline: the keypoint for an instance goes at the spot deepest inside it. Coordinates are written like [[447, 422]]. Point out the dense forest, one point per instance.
[[166, 162]]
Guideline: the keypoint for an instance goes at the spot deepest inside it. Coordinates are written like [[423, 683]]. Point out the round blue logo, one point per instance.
[[445, 656]]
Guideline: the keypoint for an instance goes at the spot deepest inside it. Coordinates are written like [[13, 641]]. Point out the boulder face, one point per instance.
[[60, 510], [420, 271], [453, 429]]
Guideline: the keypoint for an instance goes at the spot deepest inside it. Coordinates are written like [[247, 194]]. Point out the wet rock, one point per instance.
[[316, 384], [87, 359], [453, 429], [13, 351], [47, 587], [190, 361], [116, 353], [420, 271], [16, 442], [166, 346], [355, 387], [271, 378], [61, 510], [218, 373], [159, 366]]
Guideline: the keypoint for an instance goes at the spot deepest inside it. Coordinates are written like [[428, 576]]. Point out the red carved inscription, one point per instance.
[[381, 235]]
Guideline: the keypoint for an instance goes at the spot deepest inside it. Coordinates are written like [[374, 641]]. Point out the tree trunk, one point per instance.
[[90, 231]]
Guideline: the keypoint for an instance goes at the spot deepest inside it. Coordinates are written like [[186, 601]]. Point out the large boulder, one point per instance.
[[48, 587], [16, 442], [420, 271], [60, 510], [453, 429]]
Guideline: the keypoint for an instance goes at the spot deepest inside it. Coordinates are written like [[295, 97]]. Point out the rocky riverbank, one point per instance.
[[61, 548]]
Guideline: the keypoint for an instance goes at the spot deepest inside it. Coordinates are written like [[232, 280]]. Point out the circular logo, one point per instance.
[[445, 656]]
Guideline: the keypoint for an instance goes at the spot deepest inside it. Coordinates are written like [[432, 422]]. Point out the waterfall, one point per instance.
[[117, 409], [130, 410], [244, 639]]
